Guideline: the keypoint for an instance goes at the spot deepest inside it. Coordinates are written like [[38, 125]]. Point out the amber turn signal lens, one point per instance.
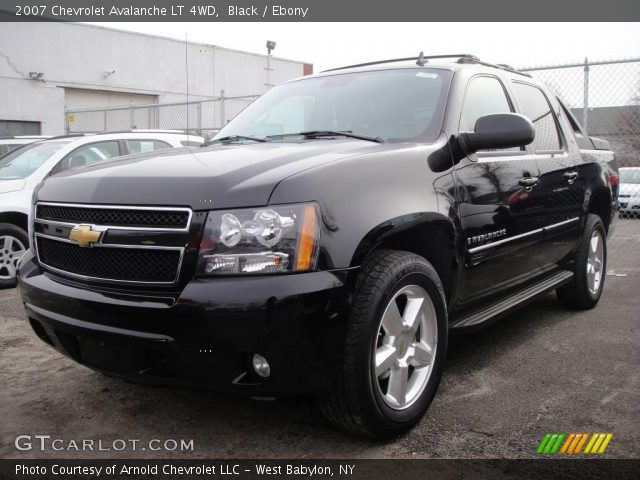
[[308, 234]]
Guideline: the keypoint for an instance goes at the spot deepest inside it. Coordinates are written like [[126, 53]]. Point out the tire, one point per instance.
[[362, 401], [14, 241], [585, 289]]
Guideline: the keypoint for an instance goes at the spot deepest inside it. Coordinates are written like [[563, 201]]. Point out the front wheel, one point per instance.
[[585, 289], [13, 244], [395, 347]]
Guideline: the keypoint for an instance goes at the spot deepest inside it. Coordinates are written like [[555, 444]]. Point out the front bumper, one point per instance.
[[203, 336]]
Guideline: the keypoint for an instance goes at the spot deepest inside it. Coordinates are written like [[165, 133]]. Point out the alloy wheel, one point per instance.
[[405, 347]]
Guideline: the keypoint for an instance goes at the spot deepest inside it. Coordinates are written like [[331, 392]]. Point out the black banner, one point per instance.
[[318, 469], [318, 11]]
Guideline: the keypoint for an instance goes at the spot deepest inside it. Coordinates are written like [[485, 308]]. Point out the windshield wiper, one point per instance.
[[331, 133], [233, 138]]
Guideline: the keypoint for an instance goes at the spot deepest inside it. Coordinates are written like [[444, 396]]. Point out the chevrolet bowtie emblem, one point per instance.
[[84, 236]]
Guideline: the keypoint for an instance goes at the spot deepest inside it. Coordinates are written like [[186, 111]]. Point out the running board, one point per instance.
[[494, 310]]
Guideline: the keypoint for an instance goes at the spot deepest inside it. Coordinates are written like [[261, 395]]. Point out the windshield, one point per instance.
[[22, 162], [394, 105], [629, 176]]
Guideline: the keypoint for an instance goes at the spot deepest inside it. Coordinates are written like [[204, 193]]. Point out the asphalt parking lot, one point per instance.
[[540, 370]]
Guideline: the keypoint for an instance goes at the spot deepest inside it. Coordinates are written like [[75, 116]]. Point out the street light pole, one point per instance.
[[271, 45]]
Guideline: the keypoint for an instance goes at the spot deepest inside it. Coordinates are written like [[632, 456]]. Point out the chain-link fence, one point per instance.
[[605, 97], [203, 117]]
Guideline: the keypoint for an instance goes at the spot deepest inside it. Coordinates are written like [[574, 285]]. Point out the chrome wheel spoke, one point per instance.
[[420, 356], [398, 380], [413, 313], [386, 357], [392, 319]]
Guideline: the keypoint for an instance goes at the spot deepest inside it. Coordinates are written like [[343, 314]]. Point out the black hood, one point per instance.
[[220, 176]]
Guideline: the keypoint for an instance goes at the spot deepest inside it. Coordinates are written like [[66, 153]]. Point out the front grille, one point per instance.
[[121, 264], [114, 216]]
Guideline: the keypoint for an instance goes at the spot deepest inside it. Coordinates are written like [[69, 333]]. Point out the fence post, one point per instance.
[[199, 130], [585, 102], [223, 114], [131, 117]]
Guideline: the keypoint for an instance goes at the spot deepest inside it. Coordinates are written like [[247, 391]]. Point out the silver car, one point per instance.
[[629, 192]]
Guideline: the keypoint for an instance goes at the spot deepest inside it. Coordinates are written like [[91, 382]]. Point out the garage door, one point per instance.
[[81, 98]]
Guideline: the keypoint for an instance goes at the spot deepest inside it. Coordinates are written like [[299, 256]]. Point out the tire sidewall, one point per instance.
[[413, 274]]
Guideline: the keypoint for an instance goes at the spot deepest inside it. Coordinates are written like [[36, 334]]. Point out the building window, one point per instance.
[[14, 127]]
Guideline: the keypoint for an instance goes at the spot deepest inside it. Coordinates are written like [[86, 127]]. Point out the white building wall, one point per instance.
[[78, 56]]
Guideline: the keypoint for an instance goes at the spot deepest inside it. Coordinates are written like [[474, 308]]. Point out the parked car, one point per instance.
[[12, 142], [23, 168], [629, 192], [328, 240]]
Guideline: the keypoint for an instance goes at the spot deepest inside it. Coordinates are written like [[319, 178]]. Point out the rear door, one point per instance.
[[498, 203], [561, 186]]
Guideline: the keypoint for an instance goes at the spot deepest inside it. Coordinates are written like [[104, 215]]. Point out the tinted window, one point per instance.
[[397, 105], [88, 154], [485, 95], [140, 146], [534, 105], [22, 162], [7, 147]]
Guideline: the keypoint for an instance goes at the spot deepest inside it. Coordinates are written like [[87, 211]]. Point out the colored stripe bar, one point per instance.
[[554, 449], [543, 443], [581, 443], [550, 443], [591, 442], [605, 442], [567, 443]]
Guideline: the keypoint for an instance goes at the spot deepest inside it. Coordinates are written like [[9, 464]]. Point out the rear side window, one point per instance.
[[88, 154], [535, 106], [485, 95], [140, 146]]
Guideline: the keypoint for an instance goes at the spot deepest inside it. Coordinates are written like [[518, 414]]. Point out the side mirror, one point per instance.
[[498, 130]]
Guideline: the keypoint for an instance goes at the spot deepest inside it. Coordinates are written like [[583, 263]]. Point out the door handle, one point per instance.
[[571, 176], [528, 182]]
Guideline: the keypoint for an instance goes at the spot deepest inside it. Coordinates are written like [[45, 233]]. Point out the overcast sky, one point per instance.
[[329, 45]]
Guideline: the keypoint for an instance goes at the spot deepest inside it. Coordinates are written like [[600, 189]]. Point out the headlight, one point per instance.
[[274, 239]]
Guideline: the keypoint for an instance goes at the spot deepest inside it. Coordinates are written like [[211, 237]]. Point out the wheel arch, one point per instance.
[[18, 219], [425, 234], [601, 204]]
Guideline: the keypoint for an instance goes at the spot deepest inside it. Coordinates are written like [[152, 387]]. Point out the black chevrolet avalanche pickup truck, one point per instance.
[[328, 240]]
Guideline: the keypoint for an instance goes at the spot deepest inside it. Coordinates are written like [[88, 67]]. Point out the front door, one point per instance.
[[498, 204]]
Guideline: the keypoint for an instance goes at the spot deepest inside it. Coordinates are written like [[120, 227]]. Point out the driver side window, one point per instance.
[[485, 95]]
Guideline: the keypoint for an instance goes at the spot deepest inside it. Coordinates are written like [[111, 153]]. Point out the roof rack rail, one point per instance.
[[420, 58], [144, 130], [501, 66], [423, 59]]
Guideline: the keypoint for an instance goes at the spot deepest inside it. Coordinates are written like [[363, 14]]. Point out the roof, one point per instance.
[[448, 61]]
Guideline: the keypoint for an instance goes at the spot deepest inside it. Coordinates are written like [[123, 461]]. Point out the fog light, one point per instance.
[[261, 366]]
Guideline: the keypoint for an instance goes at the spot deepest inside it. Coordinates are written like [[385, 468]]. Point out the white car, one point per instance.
[[629, 191], [9, 143], [25, 167]]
